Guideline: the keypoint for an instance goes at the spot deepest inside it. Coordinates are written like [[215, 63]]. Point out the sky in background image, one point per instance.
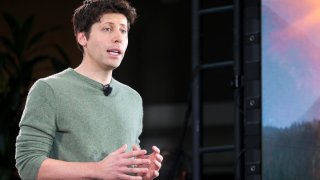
[[290, 61]]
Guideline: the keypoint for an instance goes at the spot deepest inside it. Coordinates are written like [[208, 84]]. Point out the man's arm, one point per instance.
[[116, 165]]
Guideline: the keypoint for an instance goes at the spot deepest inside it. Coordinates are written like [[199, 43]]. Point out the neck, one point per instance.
[[98, 74]]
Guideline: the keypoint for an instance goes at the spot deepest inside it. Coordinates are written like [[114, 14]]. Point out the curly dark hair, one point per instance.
[[92, 10]]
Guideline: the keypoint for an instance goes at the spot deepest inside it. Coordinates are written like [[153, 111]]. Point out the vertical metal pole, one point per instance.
[[238, 104], [196, 105]]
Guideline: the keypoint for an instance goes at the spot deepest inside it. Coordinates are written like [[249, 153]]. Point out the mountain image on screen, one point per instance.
[[291, 101]]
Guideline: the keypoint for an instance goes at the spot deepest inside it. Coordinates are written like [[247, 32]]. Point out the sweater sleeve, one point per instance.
[[140, 111], [37, 130]]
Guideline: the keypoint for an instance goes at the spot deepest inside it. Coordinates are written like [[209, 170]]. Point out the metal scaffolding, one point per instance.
[[198, 150]]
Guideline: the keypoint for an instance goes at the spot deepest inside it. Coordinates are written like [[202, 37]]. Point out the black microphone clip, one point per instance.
[[107, 89]]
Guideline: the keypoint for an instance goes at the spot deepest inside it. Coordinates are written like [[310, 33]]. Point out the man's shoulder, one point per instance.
[[53, 80], [60, 76]]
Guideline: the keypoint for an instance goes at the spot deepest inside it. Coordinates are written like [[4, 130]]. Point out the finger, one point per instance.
[[155, 174], [138, 162], [136, 170], [128, 177], [156, 149], [157, 164], [121, 150], [143, 157], [159, 157], [134, 153], [135, 147]]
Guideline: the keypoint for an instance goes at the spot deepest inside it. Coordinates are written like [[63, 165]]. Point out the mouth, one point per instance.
[[114, 51]]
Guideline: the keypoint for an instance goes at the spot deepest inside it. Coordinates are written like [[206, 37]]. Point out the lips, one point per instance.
[[114, 51]]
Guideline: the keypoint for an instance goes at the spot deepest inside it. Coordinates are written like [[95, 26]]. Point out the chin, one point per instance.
[[112, 66]]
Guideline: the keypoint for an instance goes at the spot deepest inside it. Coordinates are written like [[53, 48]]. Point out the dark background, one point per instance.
[[158, 66]]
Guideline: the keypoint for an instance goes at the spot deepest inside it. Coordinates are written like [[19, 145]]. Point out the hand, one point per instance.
[[117, 165], [155, 165]]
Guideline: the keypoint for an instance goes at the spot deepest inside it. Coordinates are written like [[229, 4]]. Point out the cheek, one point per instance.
[[98, 43], [125, 44]]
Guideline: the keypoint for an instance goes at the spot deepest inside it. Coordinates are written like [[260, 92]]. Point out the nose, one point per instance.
[[117, 37]]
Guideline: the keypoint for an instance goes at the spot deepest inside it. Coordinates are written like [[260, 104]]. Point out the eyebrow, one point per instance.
[[113, 24]]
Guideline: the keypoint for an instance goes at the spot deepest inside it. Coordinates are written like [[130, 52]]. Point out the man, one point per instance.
[[82, 123]]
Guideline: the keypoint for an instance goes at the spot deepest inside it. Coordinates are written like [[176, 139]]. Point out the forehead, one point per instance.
[[114, 18]]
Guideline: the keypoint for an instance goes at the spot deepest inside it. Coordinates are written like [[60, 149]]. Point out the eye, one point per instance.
[[106, 29], [123, 31]]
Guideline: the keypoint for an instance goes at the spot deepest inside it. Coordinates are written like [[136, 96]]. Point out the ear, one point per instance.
[[81, 38]]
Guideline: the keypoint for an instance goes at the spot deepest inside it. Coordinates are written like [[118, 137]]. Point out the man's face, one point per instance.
[[107, 42]]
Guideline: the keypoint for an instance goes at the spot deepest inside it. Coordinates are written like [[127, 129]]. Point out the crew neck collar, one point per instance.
[[89, 80]]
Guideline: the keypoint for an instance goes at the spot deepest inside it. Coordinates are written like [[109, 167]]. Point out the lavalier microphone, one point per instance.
[[106, 89]]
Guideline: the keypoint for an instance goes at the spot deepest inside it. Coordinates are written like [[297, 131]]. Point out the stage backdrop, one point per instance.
[[290, 89]]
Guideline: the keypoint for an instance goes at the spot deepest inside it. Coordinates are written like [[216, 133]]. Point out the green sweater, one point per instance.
[[67, 117]]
